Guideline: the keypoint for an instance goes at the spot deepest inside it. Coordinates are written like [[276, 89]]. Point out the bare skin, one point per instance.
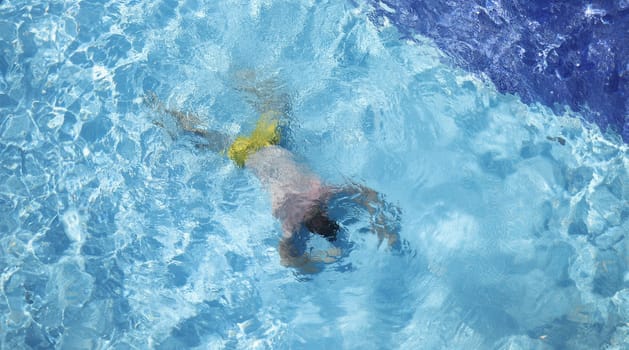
[[295, 191], [293, 188]]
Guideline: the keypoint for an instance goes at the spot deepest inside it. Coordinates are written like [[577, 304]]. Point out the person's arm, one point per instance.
[[290, 255], [375, 205]]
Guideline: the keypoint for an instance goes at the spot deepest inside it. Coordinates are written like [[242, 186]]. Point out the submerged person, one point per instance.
[[299, 197]]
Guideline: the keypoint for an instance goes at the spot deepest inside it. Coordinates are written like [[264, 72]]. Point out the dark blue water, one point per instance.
[[560, 53]]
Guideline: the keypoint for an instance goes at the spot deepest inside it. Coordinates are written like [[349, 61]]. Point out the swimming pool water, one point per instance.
[[116, 234], [561, 53]]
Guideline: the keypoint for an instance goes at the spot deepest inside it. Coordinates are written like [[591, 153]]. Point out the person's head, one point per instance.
[[321, 224]]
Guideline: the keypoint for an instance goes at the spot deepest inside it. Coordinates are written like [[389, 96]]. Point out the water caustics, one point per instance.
[[116, 233], [562, 53]]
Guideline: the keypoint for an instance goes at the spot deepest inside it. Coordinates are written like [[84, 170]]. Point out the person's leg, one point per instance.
[[188, 122], [263, 94], [267, 96]]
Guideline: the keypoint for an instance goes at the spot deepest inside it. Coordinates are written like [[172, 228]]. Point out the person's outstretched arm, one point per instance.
[[306, 262], [375, 205]]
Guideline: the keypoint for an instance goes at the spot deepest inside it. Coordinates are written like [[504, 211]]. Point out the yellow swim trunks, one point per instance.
[[265, 134]]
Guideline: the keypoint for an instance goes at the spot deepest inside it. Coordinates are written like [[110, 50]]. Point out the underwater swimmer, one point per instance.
[[299, 197]]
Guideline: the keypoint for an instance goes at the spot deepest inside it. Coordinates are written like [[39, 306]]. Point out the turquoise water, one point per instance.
[[117, 234]]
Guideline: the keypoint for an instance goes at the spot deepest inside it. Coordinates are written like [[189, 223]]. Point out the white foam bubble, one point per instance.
[[72, 222], [457, 231]]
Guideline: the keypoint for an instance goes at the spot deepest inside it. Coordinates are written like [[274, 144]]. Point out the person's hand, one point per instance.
[[326, 256]]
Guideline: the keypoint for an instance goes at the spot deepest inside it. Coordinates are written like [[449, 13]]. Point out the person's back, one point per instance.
[[295, 191]]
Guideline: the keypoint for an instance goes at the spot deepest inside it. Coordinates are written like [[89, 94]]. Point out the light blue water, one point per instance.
[[116, 235]]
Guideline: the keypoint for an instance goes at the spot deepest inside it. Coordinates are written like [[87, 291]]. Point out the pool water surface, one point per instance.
[[118, 232]]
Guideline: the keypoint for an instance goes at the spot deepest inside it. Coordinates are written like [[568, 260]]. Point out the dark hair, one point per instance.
[[321, 224]]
